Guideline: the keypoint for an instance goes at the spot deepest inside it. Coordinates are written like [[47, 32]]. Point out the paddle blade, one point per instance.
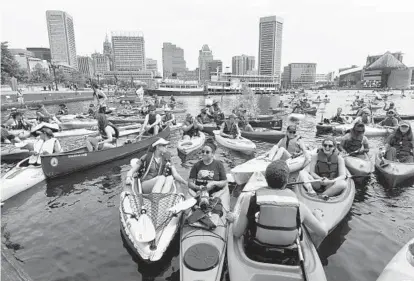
[[182, 206], [144, 229]]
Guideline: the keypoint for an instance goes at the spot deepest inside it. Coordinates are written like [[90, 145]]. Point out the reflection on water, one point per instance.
[[68, 228]]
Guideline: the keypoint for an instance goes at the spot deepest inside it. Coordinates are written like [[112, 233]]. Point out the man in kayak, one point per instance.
[[355, 143], [338, 117], [191, 127], [46, 144], [108, 134], [390, 120], [63, 110], [328, 167], [364, 118], [288, 147], [44, 116], [155, 169], [203, 118], [399, 145], [260, 214], [229, 128], [168, 119], [151, 123]]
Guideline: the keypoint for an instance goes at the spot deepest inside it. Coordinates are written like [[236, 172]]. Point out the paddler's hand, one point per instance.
[[129, 180], [318, 214], [210, 185]]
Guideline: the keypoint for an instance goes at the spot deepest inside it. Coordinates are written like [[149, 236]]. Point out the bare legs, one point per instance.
[[330, 190]]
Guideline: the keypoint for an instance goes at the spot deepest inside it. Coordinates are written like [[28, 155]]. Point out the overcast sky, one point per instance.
[[331, 33]]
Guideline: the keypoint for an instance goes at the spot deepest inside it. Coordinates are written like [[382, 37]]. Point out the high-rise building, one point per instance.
[[172, 60], [40, 53], [128, 51], [270, 46], [152, 65], [205, 55], [85, 66], [100, 64], [62, 38], [214, 66], [107, 51], [299, 75], [242, 64]]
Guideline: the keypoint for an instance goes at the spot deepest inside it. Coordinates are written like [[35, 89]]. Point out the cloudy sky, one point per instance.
[[331, 33]]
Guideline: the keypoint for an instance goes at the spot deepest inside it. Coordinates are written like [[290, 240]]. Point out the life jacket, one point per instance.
[[146, 164], [338, 119], [352, 144], [203, 119], [104, 135], [40, 147], [403, 145], [242, 122], [389, 121], [192, 132], [279, 220], [19, 125], [230, 129], [152, 118], [165, 118], [327, 166], [291, 145]]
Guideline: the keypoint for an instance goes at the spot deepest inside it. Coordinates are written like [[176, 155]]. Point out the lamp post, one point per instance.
[[53, 67], [97, 75]]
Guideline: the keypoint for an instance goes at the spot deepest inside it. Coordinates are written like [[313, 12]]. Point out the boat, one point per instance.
[[187, 146], [23, 176], [203, 251], [401, 266], [278, 110], [166, 224], [67, 117], [311, 111], [72, 125], [358, 166], [394, 173], [224, 87], [271, 124], [241, 144], [318, 101], [379, 118], [176, 87], [59, 164], [370, 131], [176, 110], [115, 120], [334, 209], [296, 117], [10, 153], [263, 134], [241, 267], [243, 172]]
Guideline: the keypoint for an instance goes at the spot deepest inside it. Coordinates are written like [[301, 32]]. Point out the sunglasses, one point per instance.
[[292, 132], [404, 126], [328, 145], [391, 112], [207, 152]]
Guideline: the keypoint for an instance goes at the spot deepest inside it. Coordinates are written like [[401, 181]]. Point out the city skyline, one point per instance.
[[333, 35]]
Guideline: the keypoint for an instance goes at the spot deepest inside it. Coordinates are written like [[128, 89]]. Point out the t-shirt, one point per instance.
[[213, 172]]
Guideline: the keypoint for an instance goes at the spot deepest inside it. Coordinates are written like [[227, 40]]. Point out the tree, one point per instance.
[[61, 77], [9, 66], [39, 75]]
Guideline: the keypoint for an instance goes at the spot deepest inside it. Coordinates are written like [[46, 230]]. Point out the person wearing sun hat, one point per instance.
[[355, 143], [400, 144], [328, 166], [46, 144], [155, 169], [229, 128]]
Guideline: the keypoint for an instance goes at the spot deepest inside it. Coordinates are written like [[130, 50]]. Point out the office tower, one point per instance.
[[85, 66], [172, 60], [100, 64], [204, 57], [128, 51], [241, 65]]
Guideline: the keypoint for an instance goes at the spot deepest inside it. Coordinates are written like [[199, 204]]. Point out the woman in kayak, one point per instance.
[[99, 96], [288, 147], [328, 167], [208, 173], [355, 143], [155, 169], [46, 144], [151, 123], [191, 127], [269, 228], [168, 119], [216, 113], [399, 146], [364, 118], [203, 118], [390, 120], [229, 128], [244, 124], [108, 134]]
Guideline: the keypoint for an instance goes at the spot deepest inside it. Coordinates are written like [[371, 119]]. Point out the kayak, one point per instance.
[[114, 120], [342, 128], [241, 267], [401, 266], [241, 144], [23, 176], [10, 153], [203, 251], [379, 118], [270, 124], [265, 117], [188, 146], [78, 125], [278, 110], [272, 136], [64, 118], [357, 166], [176, 110], [394, 172], [311, 111], [58, 164], [243, 172], [296, 116], [334, 209], [166, 225], [318, 101]]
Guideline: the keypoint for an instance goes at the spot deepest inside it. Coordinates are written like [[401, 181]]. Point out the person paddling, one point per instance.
[[399, 145], [355, 143], [244, 124], [229, 128], [99, 96], [328, 166], [17, 122], [151, 123], [108, 134], [46, 144], [273, 215]]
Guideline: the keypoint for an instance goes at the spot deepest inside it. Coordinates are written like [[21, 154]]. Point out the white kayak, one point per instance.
[[67, 117], [296, 116], [20, 178], [401, 267], [242, 145], [394, 173], [166, 223], [243, 172], [359, 166], [241, 267], [369, 130], [193, 144]]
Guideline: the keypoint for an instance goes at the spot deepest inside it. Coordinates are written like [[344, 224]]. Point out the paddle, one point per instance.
[[182, 206], [302, 260], [318, 180], [145, 229]]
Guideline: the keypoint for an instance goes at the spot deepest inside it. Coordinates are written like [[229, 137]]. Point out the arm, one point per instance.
[[134, 168], [157, 120], [108, 132], [243, 213], [144, 125], [314, 222], [365, 145], [238, 131], [222, 182], [177, 176], [57, 148], [187, 127], [193, 177], [312, 167], [222, 131], [341, 168]]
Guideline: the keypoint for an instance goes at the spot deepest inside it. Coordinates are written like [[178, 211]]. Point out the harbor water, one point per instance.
[[69, 229]]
